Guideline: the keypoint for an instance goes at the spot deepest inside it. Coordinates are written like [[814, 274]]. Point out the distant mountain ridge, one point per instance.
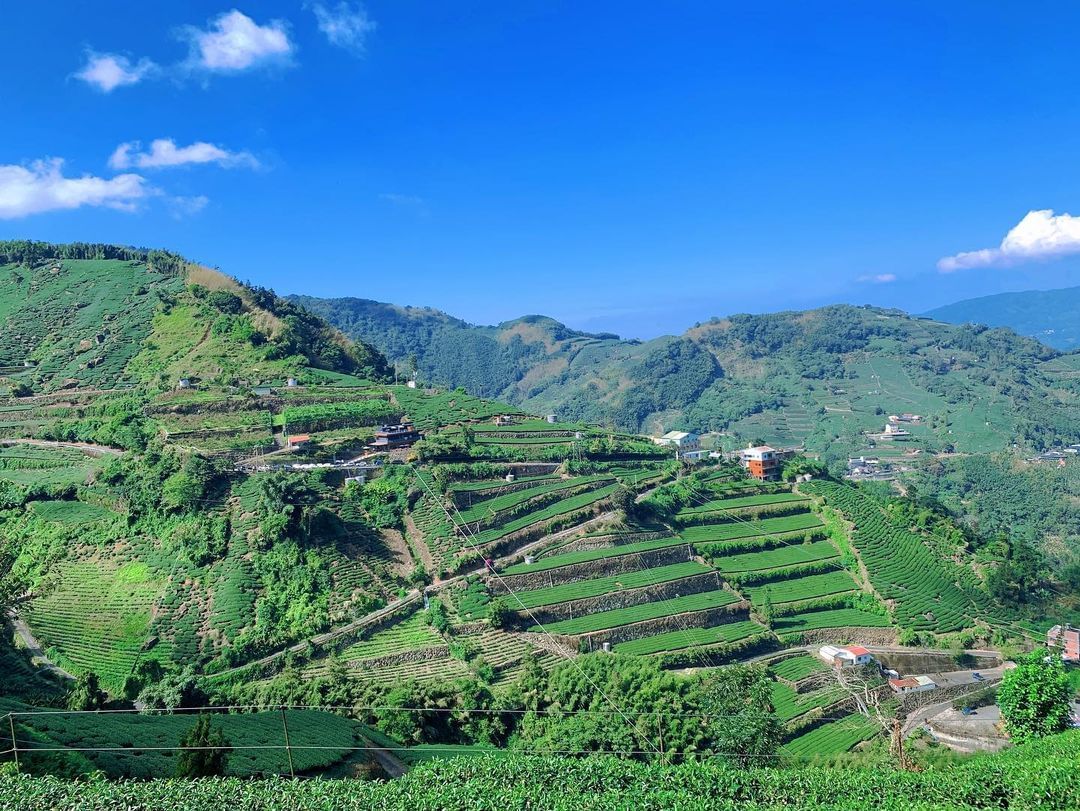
[[1051, 316], [825, 377]]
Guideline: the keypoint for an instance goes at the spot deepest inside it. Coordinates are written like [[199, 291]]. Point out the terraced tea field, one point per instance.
[[639, 613], [606, 585], [733, 530], [802, 588], [901, 566], [591, 555], [107, 638], [797, 668], [831, 738], [792, 554], [790, 705], [27, 464], [830, 618], [691, 638]]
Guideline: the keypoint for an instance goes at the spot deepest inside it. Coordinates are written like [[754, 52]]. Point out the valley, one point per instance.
[[211, 497]]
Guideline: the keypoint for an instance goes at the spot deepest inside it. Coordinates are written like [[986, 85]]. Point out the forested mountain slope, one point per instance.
[[822, 377], [1052, 316]]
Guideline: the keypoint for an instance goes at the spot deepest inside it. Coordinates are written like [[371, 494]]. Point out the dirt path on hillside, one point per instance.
[[403, 559], [33, 647], [86, 447], [415, 538]]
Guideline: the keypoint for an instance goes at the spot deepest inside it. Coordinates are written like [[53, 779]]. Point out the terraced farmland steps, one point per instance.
[[33, 647]]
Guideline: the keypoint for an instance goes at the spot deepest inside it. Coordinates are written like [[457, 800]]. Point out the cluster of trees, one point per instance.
[[30, 252], [598, 703]]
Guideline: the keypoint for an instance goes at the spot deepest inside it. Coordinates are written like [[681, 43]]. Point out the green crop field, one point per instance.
[[901, 566], [832, 738], [70, 512], [789, 555], [691, 637], [748, 529], [492, 506], [831, 618], [760, 500], [803, 588], [788, 704], [108, 637], [559, 508], [640, 613], [413, 632], [27, 464], [797, 668], [318, 740], [588, 555], [496, 484], [605, 585]]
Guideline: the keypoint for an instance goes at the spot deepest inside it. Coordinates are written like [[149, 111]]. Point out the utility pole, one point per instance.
[[288, 746], [14, 743]]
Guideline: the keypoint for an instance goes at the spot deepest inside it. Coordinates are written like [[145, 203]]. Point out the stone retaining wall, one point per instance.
[[612, 540], [624, 599], [677, 622], [853, 636], [412, 656], [589, 570]]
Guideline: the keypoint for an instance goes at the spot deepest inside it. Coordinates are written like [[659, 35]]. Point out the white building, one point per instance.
[[683, 440], [912, 684], [847, 656]]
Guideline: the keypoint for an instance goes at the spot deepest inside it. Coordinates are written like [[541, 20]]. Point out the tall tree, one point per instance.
[[205, 750]]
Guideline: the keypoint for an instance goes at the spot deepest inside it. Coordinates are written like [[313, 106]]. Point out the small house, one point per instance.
[[299, 440], [292, 382], [504, 420], [402, 435], [1067, 639], [552, 418], [912, 684], [684, 441], [183, 383], [847, 656]]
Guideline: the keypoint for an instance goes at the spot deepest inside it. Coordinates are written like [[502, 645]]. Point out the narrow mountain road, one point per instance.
[[33, 647]]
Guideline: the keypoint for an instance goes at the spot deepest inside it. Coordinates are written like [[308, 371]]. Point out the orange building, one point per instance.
[[762, 462]]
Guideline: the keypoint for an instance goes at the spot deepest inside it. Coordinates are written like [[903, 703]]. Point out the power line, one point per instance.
[[558, 647]]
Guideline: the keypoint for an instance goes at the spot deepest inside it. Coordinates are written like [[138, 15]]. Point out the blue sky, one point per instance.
[[620, 166]]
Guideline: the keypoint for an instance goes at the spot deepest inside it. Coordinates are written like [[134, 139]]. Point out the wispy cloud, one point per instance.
[[181, 207], [408, 202], [234, 42], [344, 25], [42, 186], [878, 278], [106, 72], [165, 153], [1040, 235]]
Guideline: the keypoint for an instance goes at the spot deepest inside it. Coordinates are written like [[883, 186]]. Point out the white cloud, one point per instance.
[[1040, 235], [187, 206], [878, 278], [164, 153], [235, 42], [107, 72], [42, 187], [344, 25]]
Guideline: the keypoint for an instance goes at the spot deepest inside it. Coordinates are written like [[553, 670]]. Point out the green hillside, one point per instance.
[[1049, 315], [165, 530], [822, 378]]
